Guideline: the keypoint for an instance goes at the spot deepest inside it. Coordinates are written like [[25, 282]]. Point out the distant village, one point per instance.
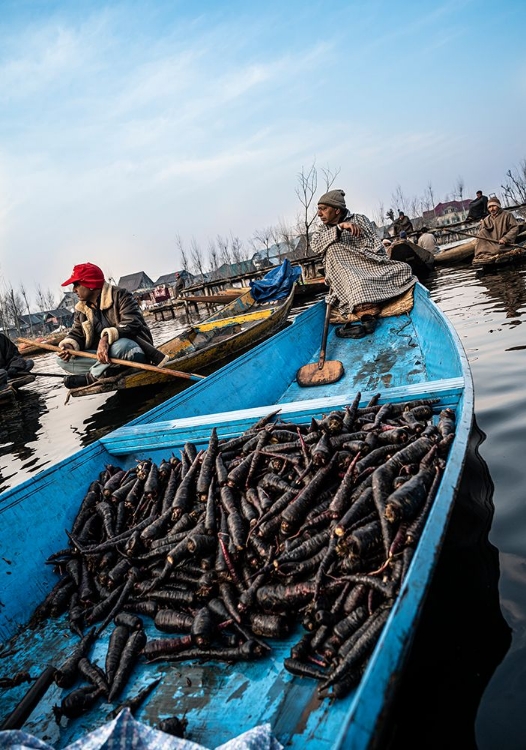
[[152, 293]]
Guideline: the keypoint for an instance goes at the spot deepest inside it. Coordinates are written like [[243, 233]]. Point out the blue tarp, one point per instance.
[[276, 284]]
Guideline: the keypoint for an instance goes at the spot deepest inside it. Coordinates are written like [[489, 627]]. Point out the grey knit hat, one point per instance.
[[334, 198], [494, 201]]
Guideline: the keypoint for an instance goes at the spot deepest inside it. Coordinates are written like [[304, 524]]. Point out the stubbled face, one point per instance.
[[493, 209], [84, 294], [328, 214]]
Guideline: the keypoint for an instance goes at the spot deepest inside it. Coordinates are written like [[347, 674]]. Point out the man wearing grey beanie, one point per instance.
[[358, 271]]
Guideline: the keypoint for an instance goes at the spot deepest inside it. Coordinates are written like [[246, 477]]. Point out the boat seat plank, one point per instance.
[[174, 433]]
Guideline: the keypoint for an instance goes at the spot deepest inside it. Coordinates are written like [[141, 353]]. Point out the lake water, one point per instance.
[[465, 685]]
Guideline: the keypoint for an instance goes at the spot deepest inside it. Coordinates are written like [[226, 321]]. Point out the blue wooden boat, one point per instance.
[[412, 356]]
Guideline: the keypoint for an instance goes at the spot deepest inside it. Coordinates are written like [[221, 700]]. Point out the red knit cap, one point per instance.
[[88, 275]]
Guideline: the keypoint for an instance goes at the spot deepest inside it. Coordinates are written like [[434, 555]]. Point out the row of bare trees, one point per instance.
[[15, 303], [227, 250], [311, 181]]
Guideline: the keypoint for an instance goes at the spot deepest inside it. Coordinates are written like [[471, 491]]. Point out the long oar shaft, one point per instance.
[[486, 239], [125, 362]]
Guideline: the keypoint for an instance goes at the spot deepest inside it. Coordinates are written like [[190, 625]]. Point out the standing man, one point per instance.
[[108, 323], [402, 224], [497, 230], [478, 208], [179, 284], [357, 269]]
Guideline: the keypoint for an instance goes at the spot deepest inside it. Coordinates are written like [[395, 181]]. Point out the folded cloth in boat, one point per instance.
[[276, 284], [395, 306], [125, 731]]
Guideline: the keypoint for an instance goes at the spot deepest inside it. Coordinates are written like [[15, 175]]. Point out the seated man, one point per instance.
[[497, 230], [358, 270], [402, 224], [12, 365], [108, 323], [478, 208], [426, 240]]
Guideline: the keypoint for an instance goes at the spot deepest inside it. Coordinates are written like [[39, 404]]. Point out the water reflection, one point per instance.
[[20, 423], [463, 635], [506, 285]]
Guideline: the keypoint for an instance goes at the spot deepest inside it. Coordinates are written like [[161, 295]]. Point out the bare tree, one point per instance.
[[182, 253], [238, 251], [379, 215], [514, 190], [288, 238], [306, 191], [428, 199], [459, 188], [45, 300], [414, 207], [223, 245], [4, 320], [196, 257], [213, 256], [398, 199], [329, 176], [262, 237], [14, 305], [24, 296]]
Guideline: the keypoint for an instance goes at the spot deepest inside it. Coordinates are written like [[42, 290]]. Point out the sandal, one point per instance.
[[353, 330], [369, 323]]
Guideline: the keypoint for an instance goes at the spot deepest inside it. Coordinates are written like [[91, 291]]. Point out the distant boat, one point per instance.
[[422, 261], [34, 348], [455, 252], [413, 357], [231, 330], [9, 390]]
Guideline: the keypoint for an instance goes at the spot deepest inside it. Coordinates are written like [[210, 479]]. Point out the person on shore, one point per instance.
[[497, 230], [402, 224], [108, 322], [12, 364], [179, 284], [478, 208], [427, 240], [358, 271]]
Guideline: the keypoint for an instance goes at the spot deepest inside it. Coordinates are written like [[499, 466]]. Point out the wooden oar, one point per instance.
[[495, 242], [125, 362], [321, 372]]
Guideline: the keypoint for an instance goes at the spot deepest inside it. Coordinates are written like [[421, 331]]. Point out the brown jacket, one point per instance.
[[125, 319], [502, 226]]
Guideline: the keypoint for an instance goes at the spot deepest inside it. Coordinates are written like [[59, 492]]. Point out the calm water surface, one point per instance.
[[465, 686]]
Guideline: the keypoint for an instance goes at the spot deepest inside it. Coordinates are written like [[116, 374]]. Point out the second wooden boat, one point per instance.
[[412, 357], [231, 330], [422, 261], [29, 350]]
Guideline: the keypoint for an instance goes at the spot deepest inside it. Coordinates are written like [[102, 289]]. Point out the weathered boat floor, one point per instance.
[[244, 690], [388, 358]]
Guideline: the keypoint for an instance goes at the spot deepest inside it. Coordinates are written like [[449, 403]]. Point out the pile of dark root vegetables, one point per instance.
[[233, 545]]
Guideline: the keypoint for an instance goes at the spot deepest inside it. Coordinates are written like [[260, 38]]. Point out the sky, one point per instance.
[[129, 128]]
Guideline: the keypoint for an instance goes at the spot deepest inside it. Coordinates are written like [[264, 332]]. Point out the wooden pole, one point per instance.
[[125, 362]]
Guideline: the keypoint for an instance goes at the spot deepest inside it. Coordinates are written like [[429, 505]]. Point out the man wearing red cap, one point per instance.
[[108, 322]]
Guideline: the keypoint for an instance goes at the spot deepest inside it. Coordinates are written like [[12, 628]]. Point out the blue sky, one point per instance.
[[124, 125]]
